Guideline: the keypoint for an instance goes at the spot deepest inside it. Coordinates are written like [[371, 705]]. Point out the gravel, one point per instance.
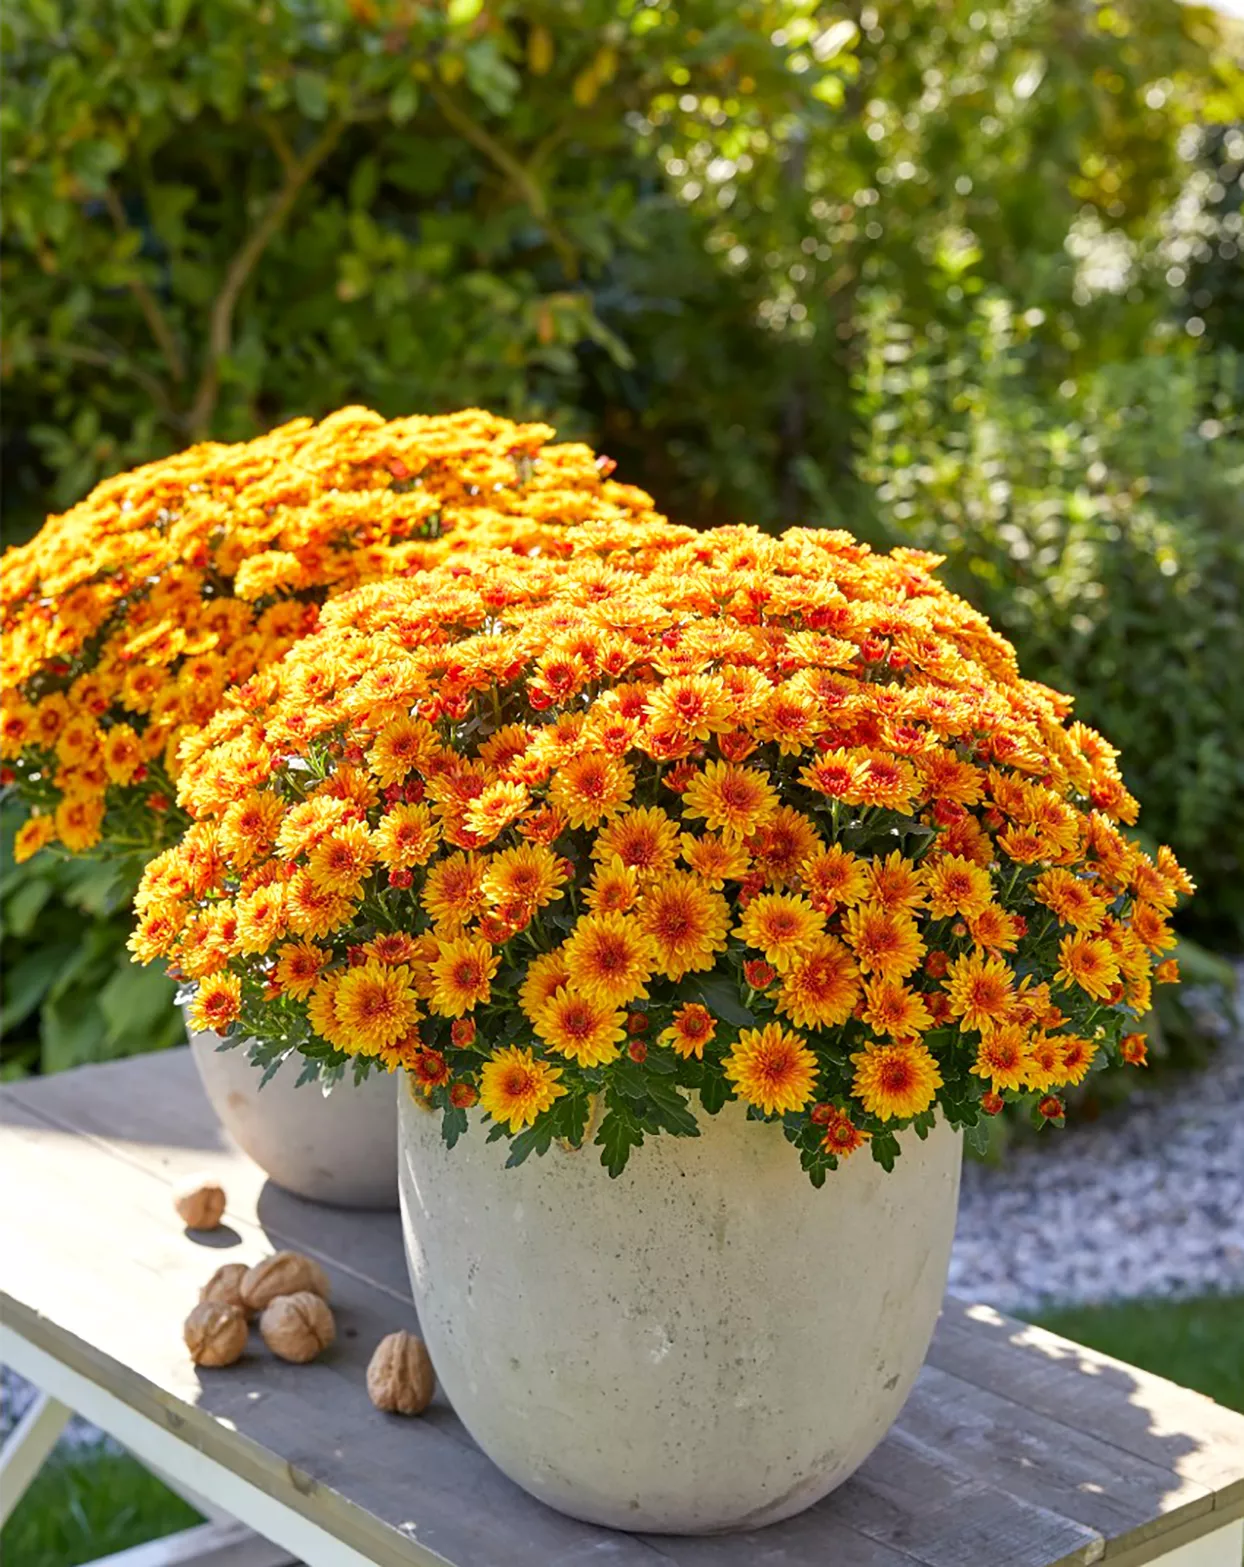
[[1149, 1200]]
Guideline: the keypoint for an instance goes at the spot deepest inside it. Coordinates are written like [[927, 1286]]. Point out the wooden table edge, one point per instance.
[[326, 1510]]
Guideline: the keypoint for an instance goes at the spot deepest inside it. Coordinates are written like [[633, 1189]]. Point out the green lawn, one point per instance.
[[1199, 1343], [85, 1507]]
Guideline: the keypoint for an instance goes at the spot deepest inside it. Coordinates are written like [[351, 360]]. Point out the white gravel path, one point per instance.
[[1147, 1201]]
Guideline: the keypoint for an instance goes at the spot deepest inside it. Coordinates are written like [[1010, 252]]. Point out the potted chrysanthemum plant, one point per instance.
[[749, 865], [126, 620]]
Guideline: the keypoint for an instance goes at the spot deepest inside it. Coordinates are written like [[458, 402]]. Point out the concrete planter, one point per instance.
[[340, 1150], [706, 1343]]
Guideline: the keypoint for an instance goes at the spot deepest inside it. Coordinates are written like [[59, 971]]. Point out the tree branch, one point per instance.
[[154, 316], [518, 173], [220, 321]]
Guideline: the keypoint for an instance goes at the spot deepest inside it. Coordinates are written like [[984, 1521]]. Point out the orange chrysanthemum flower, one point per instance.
[[298, 967], [842, 1136], [462, 975], [1088, 962], [405, 837], [891, 1008], [614, 888], [980, 991], [956, 886], [820, 985], [645, 840], [1073, 901], [217, 1003], [835, 878], [610, 959], [589, 789], [715, 859], [530, 876], [1003, 1057], [894, 884], [691, 1028], [546, 975], [885, 944], [375, 1005], [515, 1087], [586, 1030], [897, 1081], [687, 922], [732, 800], [340, 862], [779, 925], [772, 1068]]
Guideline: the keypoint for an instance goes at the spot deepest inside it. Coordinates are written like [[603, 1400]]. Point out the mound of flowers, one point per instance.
[[583, 843], [126, 619]]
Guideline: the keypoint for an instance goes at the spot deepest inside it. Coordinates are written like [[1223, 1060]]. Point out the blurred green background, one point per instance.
[[961, 274]]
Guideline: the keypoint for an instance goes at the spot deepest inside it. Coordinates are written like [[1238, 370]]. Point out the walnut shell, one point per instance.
[[200, 1205], [226, 1285], [297, 1327], [215, 1333], [285, 1273], [400, 1378]]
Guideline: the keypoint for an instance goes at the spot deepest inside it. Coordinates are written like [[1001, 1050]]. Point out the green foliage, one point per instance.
[[71, 993], [1103, 532]]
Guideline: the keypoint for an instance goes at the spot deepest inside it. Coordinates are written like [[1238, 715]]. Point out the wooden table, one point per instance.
[[1017, 1449]]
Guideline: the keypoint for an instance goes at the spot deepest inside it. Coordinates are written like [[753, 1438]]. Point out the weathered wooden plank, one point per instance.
[[1126, 1498], [1196, 1439], [160, 1120], [917, 1500]]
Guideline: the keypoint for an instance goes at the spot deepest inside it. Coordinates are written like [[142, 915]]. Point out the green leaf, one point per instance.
[[976, 1138], [618, 1133], [533, 1139], [133, 1002], [671, 1109], [885, 1150], [25, 905], [28, 980], [403, 101], [311, 94], [715, 1091], [721, 997], [453, 1124]]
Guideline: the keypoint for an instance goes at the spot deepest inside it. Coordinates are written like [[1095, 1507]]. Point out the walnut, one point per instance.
[[400, 1378], [297, 1327], [200, 1205], [226, 1285], [215, 1333], [286, 1273]]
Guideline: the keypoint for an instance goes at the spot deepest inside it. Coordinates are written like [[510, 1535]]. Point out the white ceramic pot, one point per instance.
[[705, 1343], [339, 1149]]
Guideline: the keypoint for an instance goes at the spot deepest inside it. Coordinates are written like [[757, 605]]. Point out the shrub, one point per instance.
[[1104, 537]]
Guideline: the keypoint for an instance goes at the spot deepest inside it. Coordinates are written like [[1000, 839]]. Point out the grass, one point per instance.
[[90, 1505], [1199, 1343]]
